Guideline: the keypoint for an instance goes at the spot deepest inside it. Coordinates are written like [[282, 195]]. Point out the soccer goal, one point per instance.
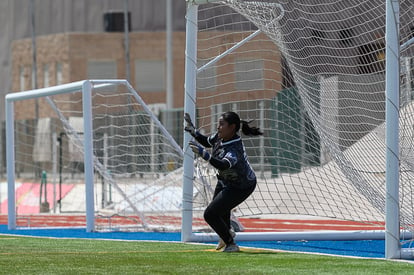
[[338, 120], [94, 149]]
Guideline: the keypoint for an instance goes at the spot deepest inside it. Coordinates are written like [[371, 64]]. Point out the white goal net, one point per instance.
[[312, 76]]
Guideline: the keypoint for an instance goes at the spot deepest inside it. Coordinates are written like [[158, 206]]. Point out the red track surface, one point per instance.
[[28, 195], [256, 225]]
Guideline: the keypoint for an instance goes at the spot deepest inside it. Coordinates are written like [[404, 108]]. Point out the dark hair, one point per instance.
[[233, 118]]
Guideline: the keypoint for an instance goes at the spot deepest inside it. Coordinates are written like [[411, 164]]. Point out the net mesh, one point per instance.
[[312, 76], [137, 163]]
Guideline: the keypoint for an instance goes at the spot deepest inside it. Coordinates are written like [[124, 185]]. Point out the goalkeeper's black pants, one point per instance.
[[218, 212]]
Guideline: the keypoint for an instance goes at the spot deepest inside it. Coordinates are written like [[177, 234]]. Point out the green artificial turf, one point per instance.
[[27, 255]]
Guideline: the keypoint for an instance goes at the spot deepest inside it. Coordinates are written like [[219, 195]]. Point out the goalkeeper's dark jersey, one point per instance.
[[230, 159]]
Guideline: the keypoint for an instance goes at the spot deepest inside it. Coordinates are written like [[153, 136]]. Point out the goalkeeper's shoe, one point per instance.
[[222, 244], [231, 248]]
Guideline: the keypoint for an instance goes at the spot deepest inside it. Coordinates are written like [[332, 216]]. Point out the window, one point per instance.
[[59, 77], [34, 79], [22, 79], [102, 69], [150, 75], [249, 74], [45, 75], [207, 78]]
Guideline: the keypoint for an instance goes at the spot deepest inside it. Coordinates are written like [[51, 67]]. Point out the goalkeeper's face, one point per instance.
[[225, 130]]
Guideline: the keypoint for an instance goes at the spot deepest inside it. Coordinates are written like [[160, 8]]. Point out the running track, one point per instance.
[[250, 224]]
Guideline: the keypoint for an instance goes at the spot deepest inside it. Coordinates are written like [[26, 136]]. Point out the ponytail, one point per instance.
[[249, 131], [233, 118]]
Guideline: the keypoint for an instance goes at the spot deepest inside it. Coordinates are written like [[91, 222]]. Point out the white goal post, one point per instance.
[[10, 144], [332, 57]]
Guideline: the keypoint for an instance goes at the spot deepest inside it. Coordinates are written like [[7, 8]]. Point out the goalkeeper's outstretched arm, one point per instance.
[[190, 128]]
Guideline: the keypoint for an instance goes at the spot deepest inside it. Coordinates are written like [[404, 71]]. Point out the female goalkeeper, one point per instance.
[[236, 178]]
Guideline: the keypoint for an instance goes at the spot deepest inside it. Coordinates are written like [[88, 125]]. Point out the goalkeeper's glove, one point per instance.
[[199, 150], [189, 127]]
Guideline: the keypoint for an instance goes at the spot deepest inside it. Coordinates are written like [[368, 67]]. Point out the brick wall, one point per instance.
[[73, 50]]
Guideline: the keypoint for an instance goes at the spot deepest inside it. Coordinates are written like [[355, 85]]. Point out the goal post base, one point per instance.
[[328, 235], [407, 254]]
